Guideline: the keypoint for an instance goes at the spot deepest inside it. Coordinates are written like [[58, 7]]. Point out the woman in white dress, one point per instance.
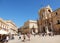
[[7, 38]]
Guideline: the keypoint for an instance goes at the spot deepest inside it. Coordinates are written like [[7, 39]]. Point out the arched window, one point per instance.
[[49, 10]]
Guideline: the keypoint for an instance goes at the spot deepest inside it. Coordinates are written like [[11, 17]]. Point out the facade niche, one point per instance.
[[58, 21], [56, 13]]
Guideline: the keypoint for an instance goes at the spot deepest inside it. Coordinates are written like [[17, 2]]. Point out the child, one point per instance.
[[23, 37], [19, 37]]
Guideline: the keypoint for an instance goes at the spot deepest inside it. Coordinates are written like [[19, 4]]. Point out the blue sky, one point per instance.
[[19, 11]]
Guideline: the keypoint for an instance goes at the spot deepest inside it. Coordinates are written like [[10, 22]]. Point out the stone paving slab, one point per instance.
[[38, 39]]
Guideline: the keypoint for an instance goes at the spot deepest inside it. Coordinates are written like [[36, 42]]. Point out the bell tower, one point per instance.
[[44, 13]]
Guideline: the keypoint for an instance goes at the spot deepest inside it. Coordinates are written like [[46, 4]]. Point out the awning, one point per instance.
[[2, 31]]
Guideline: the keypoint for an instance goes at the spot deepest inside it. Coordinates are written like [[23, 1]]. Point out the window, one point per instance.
[[49, 10], [49, 23], [44, 29], [58, 21], [42, 15], [50, 29], [56, 13]]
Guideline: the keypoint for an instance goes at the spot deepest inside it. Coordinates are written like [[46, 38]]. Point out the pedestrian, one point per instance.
[[19, 37], [7, 38], [28, 35], [3, 38], [23, 37]]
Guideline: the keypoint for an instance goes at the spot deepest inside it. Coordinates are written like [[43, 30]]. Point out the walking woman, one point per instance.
[[7, 38], [28, 35]]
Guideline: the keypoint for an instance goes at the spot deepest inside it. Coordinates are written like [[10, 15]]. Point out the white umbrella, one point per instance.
[[3, 31]]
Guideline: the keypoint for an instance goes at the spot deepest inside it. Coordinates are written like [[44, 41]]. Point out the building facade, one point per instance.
[[45, 19], [56, 21], [12, 27], [30, 26], [8, 26], [3, 25], [49, 20]]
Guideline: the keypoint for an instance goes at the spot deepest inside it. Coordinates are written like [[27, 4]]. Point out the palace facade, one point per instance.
[[8, 26], [3, 25], [12, 27]]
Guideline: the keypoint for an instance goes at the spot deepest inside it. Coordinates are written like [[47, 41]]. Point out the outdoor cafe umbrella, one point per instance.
[[2, 31]]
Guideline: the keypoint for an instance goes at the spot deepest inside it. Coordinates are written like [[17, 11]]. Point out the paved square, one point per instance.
[[38, 39]]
